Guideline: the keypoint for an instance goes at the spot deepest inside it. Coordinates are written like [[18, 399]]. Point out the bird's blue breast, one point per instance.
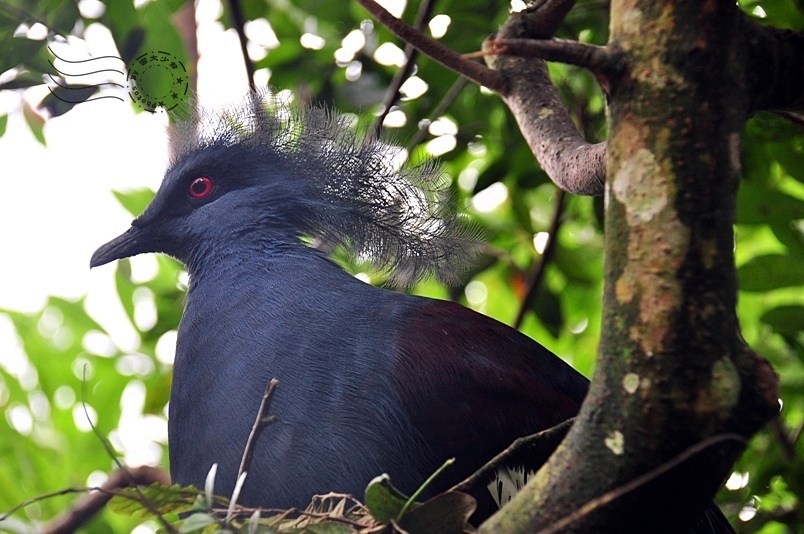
[[325, 343]]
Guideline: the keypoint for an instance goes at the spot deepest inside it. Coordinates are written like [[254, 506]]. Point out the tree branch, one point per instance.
[[541, 444], [541, 19], [573, 164], [617, 493], [239, 24], [123, 470], [82, 511], [437, 51], [672, 368], [598, 59]]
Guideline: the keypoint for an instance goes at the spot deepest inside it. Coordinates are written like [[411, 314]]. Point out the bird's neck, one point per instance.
[[252, 258]]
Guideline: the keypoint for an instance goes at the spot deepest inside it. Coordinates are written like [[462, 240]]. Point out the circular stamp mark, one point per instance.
[[157, 81]]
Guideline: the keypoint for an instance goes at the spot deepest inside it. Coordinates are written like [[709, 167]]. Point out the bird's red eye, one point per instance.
[[200, 187]]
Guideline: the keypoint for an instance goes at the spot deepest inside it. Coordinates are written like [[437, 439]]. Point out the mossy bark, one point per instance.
[[673, 369]]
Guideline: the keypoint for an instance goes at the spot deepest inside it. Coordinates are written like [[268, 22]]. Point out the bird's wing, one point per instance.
[[471, 385]]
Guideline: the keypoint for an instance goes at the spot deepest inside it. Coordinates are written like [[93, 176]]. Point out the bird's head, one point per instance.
[[265, 174]]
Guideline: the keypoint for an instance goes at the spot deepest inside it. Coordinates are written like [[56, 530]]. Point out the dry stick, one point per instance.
[[81, 512], [641, 480], [239, 23], [440, 53], [392, 94], [539, 268], [553, 434], [260, 423]]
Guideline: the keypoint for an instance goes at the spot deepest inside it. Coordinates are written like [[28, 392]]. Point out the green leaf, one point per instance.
[[195, 522], [61, 15], [787, 319], [772, 271], [23, 81], [581, 264], [329, 527], [134, 201], [123, 20], [383, 500], [447, 513], [759, 204], [3, 124], [35, 122], [64, 98], [164, 499], [19, 50], [125, 288], [548, 309]]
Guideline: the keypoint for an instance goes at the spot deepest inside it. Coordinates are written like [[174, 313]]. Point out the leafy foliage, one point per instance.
[[65, 360], [162, 499], [386, 510]]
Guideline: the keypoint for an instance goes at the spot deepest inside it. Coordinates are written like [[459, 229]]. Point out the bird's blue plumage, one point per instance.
[[370, 381], [327, 342]]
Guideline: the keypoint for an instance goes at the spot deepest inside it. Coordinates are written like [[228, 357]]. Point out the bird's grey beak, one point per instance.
[[130, 243]]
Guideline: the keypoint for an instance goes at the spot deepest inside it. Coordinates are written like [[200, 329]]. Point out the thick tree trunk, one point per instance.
[[673, 369]]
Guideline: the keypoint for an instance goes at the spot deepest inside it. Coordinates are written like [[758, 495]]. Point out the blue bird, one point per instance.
[[370, 381]]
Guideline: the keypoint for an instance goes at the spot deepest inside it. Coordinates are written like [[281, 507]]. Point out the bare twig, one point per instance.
[[551, 436], [239, 24], [80, 512], [392, 94], [606, 498], [260, 423], [443, 54], [539, 268]]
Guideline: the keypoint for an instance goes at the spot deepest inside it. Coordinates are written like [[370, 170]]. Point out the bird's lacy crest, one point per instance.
[[401, 220]]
